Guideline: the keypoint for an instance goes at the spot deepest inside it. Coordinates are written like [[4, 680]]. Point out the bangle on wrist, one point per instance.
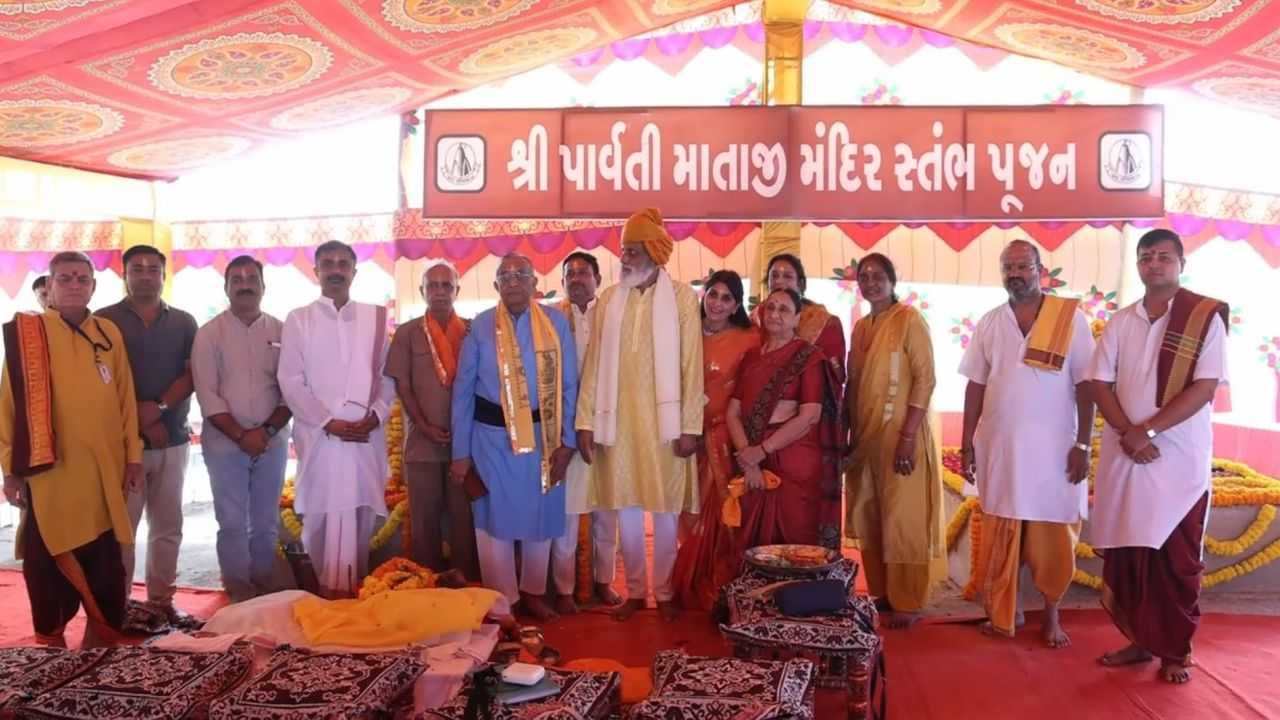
[[1083, 447]]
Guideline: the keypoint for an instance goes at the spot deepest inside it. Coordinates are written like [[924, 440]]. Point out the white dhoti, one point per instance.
[[338, 543]]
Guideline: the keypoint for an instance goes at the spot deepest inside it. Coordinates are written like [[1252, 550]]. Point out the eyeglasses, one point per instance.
[[513, 277]]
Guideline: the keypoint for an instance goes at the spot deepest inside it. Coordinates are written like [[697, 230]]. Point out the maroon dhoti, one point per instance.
[[1153, 595], [54, 600]]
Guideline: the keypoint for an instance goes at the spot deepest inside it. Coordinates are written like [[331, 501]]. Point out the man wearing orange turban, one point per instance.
[[650, 333], [645, 229]]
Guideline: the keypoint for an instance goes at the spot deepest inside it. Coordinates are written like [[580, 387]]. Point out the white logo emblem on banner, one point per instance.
[[460, 163], [1125, 161]]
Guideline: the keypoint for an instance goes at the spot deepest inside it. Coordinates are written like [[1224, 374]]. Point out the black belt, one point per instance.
[[490, 413]]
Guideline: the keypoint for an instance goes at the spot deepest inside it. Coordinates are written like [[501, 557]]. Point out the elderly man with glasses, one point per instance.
[[513, 426]]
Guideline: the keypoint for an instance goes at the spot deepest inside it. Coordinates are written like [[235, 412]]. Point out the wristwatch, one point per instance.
[[1082, 447], [161, 406], [1151, 432], [270, 430]]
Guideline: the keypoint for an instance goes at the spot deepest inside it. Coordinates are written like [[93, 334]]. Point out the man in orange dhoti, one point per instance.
[[1155, 373], [1028, 416], [70, 449]]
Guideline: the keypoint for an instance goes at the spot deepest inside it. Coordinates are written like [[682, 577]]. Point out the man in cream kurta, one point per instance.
[[1027, 430], [581, 277], [331, 374], [1156, 369], [640, 407]]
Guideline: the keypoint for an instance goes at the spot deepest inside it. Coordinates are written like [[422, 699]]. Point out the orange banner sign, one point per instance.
[[1075, 162]]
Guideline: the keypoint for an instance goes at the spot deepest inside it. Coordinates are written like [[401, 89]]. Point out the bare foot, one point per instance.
[[606, 595], [99, 635], [565, 605], [625, 610], [989, 628], [1176, 673], [537, 608], [902, 620], [1129, 655], [53, 641], [1051, 630], [668, 611]]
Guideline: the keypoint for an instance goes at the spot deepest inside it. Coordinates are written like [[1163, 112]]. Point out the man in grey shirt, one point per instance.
[[245, 440], [158, 339]]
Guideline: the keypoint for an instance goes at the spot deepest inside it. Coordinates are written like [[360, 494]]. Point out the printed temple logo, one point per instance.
[[460, 163], [1125, 161]]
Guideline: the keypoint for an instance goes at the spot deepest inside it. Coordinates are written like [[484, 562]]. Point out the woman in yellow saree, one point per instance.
[[894, 481]]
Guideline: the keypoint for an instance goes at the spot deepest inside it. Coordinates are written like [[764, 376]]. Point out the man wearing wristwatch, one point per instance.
[[1156, 370], [158, 339], [1028, 417], [245, 439]]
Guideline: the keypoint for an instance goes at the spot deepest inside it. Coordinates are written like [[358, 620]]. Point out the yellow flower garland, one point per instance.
[[1234, 484], [1246, 539]]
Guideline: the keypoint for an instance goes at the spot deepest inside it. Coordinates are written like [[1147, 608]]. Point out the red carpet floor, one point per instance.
[[936, 670]]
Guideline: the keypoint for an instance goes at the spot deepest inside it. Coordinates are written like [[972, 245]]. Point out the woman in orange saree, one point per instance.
[[894, 479], [774, 419], [705, 561]]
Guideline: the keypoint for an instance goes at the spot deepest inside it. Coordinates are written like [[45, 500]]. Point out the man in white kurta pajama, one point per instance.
[[581, 276], [1156, 370], [1028, 420], [331, 363]]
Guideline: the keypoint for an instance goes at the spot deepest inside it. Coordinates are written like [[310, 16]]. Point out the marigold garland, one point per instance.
[[975, 542], [1247, 539], [1234, 485], [396, 574]]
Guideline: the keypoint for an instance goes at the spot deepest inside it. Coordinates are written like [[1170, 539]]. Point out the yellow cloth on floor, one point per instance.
[[403, 617]]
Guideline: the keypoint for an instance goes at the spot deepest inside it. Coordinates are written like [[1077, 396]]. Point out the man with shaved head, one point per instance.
[[1028, 418], [424, 362], [513, 426]]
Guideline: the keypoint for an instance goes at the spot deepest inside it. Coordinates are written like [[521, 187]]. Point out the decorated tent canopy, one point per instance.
[[154, 88]]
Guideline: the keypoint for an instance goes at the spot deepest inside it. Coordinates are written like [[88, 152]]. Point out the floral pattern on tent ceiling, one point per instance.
[[154, 88]]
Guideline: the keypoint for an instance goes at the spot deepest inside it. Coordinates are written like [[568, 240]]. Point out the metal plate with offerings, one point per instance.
[[792, 560]]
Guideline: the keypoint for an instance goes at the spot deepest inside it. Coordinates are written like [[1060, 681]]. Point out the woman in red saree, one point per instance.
[[774, 420], [706, 561], [817, 326]]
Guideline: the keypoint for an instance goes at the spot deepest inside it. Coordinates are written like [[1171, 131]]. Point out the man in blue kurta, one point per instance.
[[513, 425]]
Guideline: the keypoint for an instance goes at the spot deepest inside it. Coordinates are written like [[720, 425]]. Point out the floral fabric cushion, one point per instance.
[[694, 688], [298, 684], [26, 671], [583, 696], [142, 683]]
